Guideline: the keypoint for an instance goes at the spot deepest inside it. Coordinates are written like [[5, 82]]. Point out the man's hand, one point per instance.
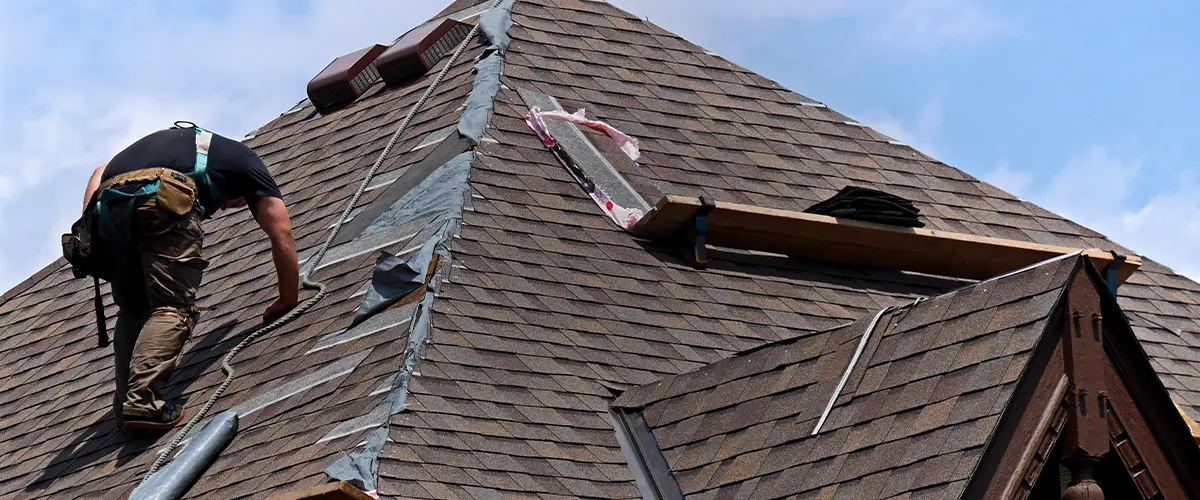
[[272, 217], [277, 310]]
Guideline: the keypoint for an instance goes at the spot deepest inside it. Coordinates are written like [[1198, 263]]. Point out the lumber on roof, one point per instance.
[[1192, 425], [819, 237], [340, 490]]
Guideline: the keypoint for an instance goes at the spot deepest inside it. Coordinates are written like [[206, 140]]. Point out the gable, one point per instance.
[[1091, 393], [912, 412]]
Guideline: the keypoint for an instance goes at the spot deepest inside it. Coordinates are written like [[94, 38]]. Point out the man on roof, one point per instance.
[[148, 203]]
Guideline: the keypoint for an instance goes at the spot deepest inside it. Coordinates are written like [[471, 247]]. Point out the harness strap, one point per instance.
[[200, 172], [114, 194], [98, 302]]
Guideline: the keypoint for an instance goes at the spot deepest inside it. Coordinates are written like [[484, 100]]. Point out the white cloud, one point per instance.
[[913, 25], [921, 131], [1098, 189], [91, 78], [1013, 181], [932, 24]]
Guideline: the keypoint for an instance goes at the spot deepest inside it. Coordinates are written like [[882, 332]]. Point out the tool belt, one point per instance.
[[175, 193]]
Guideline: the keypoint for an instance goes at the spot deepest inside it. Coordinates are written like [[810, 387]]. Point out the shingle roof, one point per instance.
[[915, 415], [548, 308]]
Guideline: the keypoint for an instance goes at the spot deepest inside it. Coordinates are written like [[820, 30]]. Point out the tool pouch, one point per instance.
[[176, 193], [79, 248], [81, 252]]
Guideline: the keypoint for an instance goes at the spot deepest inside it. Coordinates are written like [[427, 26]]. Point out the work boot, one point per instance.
[[171, 416]]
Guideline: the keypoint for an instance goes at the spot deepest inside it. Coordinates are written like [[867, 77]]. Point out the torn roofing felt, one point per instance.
[[495, 24], [443, 195]]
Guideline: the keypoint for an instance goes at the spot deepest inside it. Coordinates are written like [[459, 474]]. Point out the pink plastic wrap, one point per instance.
[[624, 217], [627, 144]]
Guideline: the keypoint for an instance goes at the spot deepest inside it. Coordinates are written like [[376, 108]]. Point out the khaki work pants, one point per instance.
[[156, 269]]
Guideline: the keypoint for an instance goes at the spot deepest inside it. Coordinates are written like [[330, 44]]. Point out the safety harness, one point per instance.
[[149, 181]]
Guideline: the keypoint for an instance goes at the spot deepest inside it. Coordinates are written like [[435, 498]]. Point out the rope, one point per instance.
[[306, 283]]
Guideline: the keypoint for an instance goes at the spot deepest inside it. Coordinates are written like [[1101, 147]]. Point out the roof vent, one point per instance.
[[345, 79], [419, 50]]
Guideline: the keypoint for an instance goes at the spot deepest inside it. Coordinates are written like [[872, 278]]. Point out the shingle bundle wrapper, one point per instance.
[[869, 205]]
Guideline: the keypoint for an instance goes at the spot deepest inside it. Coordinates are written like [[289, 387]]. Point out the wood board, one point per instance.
[[809, 236]]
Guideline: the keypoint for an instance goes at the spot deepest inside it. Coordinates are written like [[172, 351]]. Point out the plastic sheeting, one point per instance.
[[361, 469], [494, 24], [627, 144], [625, 218]]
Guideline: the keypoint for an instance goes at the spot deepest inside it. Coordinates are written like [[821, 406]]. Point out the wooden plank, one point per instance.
[[1192, 425], [667, 217], [809, 236], [340, 490]]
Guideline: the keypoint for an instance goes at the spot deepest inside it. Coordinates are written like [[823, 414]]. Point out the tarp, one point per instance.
[[361, 469], [494, 24]]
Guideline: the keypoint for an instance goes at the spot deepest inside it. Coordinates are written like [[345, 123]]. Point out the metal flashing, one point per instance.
[[650, 469], [862, 344], [362, 247], [332, 371]]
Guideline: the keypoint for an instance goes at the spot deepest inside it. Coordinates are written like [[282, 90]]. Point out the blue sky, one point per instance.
[[1088, 109]]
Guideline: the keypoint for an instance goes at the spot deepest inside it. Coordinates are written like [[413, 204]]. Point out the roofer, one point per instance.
[[148, 243]]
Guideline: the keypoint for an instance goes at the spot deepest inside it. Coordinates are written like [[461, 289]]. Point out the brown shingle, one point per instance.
[[550, 298]]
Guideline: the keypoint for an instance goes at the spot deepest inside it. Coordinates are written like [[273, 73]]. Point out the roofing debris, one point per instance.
[[870, 205]]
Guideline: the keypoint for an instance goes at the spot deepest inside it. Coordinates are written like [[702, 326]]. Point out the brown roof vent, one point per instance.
[[345, 79], [418, 51]]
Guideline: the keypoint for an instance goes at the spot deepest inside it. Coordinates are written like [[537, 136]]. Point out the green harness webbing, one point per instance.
[[116, 194], [199, 174]]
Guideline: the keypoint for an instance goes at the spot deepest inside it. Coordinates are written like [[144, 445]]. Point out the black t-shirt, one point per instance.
[[235, 170]]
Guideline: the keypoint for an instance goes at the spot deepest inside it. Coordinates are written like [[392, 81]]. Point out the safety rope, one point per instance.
[[312, 264]]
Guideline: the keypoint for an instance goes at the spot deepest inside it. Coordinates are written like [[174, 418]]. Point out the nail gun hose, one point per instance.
[[307, 283]]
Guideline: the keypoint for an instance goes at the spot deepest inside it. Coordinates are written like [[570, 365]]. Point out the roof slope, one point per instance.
[[921, 403], [548, 308], [58, 435]]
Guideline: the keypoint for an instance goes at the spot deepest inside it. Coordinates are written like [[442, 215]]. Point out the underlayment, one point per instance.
[[443, 195]]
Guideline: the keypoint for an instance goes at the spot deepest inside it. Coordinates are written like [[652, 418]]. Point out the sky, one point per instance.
[[1088, 112]]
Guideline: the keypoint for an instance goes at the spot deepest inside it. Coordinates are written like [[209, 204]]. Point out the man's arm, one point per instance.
[[272, 217], [93, 185]]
